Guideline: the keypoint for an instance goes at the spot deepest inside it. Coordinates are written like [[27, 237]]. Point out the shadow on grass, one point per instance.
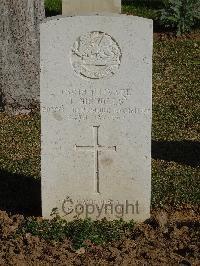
[[183, 152], [20, 194]]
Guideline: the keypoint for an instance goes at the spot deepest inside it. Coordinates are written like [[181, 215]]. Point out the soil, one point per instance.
[[169, 237]]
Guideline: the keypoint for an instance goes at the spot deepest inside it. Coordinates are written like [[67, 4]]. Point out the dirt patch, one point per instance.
[[169, 237]]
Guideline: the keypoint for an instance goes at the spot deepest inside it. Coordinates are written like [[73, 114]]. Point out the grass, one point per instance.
[[20, 145], [144, 8], [175, 149], [53, 7], [147, 9], [176, 116], [176, 131], [176, 90]]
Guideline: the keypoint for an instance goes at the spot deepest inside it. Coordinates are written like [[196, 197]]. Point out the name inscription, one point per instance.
[[100, 104]]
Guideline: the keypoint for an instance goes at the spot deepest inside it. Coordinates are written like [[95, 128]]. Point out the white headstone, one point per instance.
[[77, 7], [96, 79]]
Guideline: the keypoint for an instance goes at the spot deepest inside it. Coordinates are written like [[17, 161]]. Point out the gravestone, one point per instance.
[[19, 54], [77, 7], [96, 79]]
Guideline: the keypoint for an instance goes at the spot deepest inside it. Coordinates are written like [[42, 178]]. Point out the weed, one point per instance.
[[78, 231]]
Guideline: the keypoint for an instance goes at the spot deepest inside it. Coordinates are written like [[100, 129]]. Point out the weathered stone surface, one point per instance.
[[96, 78], [77, 7], [19, 53]]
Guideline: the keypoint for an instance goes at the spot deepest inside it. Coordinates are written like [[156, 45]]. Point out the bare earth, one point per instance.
[[170, 237]]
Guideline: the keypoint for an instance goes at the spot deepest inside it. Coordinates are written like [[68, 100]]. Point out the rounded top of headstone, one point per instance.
[[95, 55]]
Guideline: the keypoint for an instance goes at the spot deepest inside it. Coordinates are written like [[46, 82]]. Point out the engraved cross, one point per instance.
[[96, 148]]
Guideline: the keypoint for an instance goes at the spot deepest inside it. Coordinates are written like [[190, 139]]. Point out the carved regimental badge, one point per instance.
[[96, 55]]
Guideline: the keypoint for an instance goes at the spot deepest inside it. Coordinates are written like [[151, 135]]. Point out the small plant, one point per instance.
[[53, 7], [78, 231], [180, 14]]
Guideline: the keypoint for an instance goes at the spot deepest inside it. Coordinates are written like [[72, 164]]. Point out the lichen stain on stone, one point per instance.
[[106, 161], [57, 116]]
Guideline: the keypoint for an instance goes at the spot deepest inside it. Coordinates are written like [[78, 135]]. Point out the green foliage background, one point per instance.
[[181, 15], [176, 116], [178, 15], [53, 7]]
